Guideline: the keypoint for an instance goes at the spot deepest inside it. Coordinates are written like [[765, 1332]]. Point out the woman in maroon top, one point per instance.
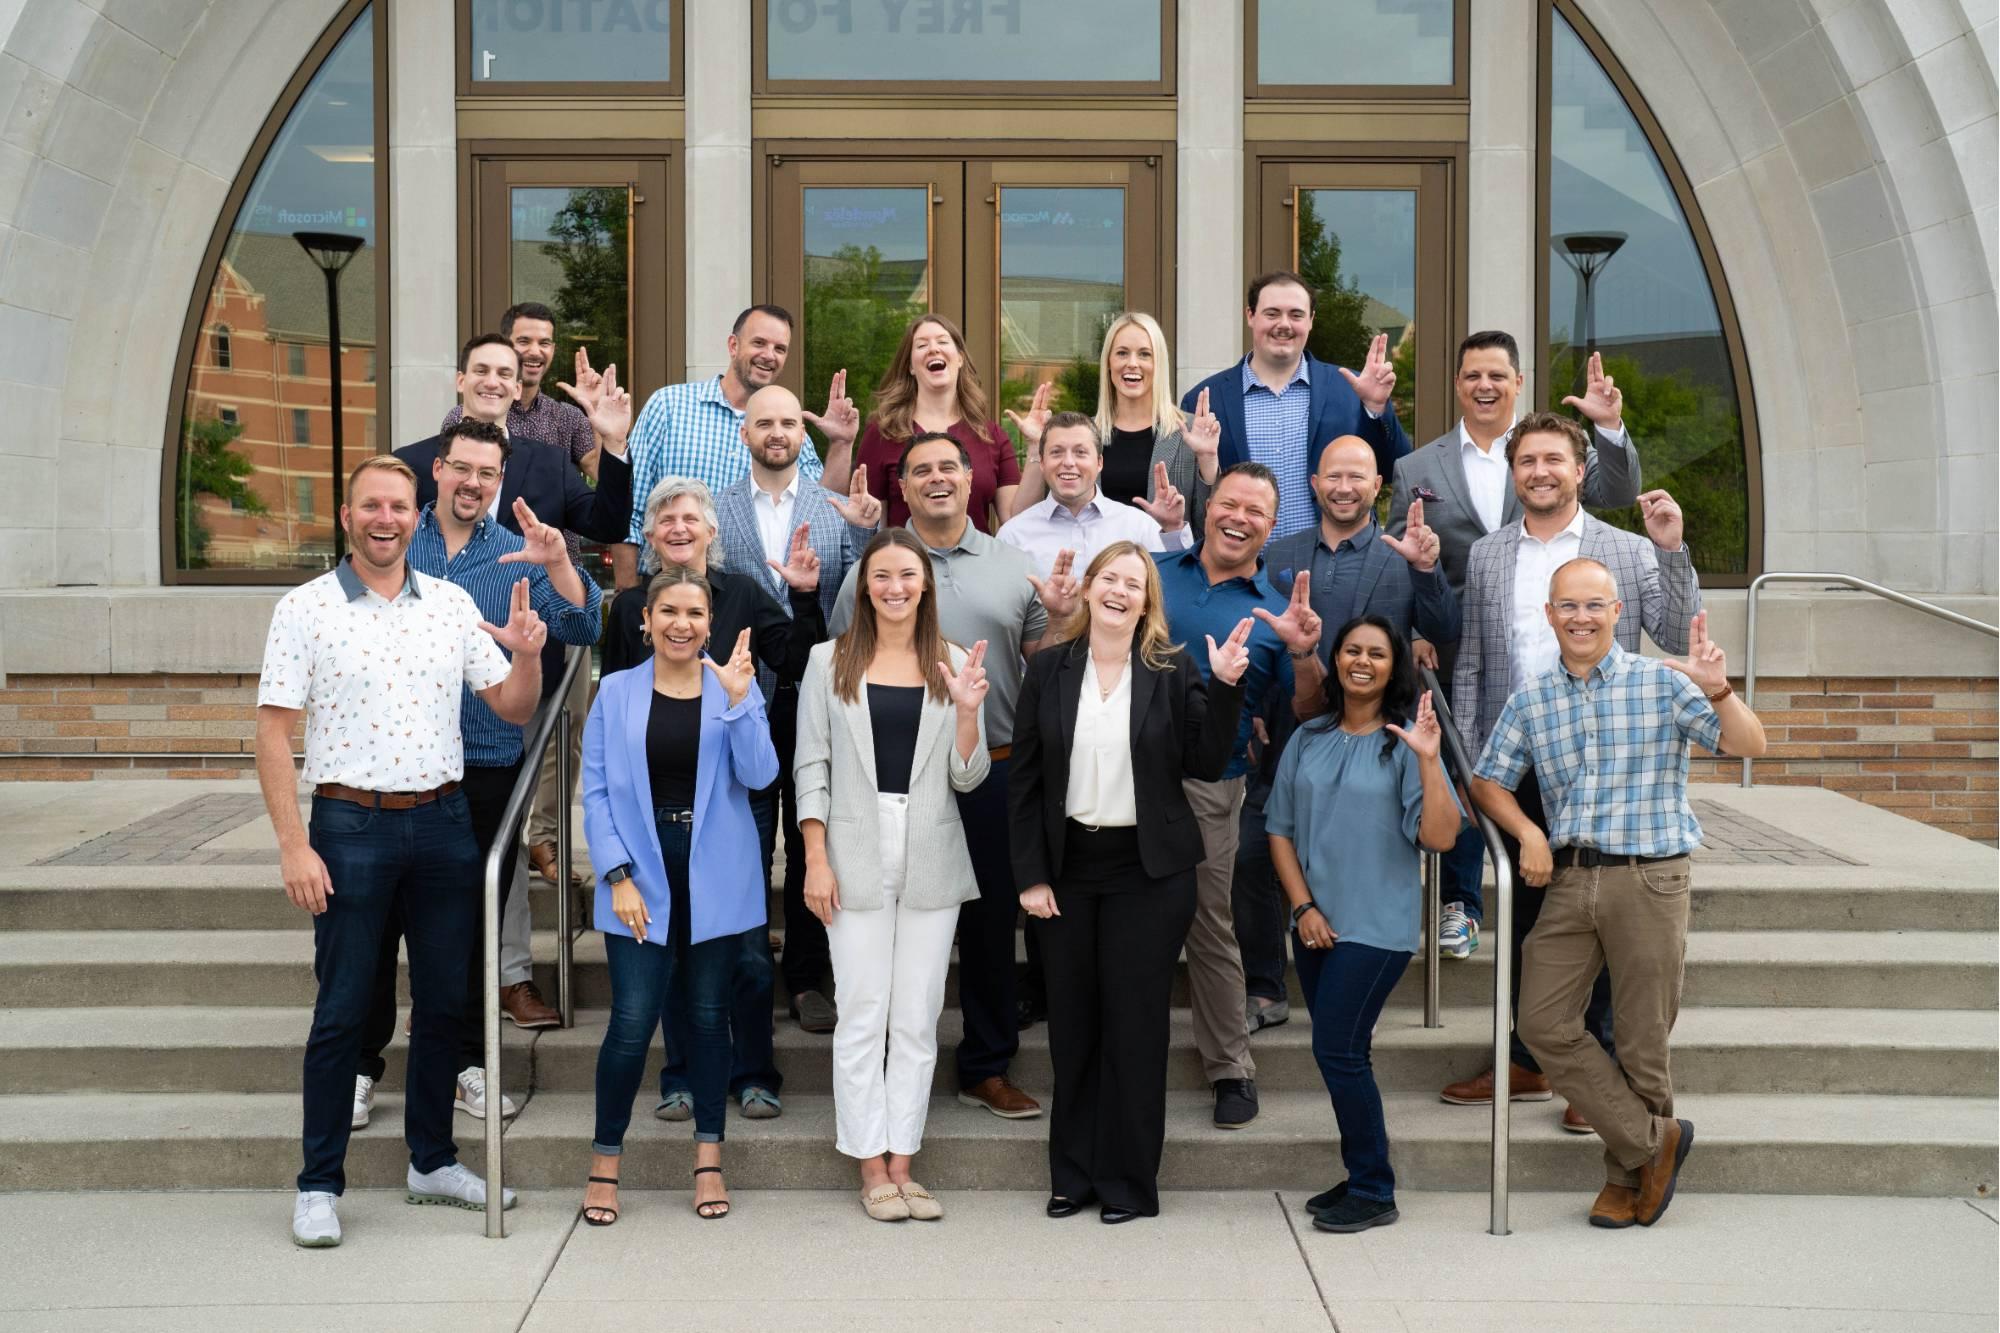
[[931, 386]]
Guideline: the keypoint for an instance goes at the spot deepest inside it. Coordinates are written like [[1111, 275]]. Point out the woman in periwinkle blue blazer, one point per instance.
[[672, 750]]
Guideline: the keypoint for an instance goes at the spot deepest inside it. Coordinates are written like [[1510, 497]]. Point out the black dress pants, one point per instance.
[[1110, 973]]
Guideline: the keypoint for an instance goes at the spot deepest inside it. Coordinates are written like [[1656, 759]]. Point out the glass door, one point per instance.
[[1372, 239], [858, 249]]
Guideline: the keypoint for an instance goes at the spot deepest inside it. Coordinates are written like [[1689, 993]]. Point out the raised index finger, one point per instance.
[[1300, 587], [1201, 404], [1415, 518], [857, 485]]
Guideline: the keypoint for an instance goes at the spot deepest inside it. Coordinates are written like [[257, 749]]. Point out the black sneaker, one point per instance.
[[1326, 1199], [1351, 1213], [1235, 1102]]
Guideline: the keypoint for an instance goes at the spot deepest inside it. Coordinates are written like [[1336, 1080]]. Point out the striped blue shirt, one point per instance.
[[489, 741], [1610, 750], [690, 430], [1277, 430]]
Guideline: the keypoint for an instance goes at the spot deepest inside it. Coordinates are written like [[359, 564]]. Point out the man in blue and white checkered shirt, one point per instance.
[[1607, 734]]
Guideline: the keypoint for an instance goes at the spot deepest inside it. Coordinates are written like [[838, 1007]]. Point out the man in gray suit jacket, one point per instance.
[[1463, 481], [1506, 641], [758, 519]]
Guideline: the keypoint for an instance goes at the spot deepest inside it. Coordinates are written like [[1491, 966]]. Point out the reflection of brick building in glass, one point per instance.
[[261, 366]]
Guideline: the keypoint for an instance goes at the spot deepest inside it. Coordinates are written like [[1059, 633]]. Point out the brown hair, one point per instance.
[[1548, 423], [1156, 647], [381, 463], [676, 576], [896, 395], [1272, 279], [854, 649]]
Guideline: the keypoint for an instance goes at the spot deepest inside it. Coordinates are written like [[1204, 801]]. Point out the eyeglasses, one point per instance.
[[1588, 608], [486, 475]]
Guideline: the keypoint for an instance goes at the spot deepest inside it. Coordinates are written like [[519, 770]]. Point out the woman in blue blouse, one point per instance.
[[1354, 798]]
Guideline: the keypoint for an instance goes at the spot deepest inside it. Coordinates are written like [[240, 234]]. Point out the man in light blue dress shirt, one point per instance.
[[1077, 517]]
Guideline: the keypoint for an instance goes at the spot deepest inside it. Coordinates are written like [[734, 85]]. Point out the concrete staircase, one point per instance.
[[1838, 1036]]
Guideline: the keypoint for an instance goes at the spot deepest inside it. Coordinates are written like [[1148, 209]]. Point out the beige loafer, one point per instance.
[[921, 1203], [885, 1203]]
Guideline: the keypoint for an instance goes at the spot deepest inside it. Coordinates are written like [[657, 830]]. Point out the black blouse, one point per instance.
[[673, 749], [893, 714], [739, 603], [1128, 463]]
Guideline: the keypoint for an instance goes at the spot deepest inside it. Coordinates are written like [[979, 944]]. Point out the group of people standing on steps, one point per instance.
[[965, 683]]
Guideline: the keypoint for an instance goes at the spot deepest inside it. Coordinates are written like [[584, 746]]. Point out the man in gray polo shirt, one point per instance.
[[986, 590]]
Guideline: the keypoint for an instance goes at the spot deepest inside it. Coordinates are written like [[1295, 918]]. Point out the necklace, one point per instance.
[[1117, 668]]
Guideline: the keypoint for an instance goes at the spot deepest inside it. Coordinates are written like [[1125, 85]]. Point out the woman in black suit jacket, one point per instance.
[[1108, 722]]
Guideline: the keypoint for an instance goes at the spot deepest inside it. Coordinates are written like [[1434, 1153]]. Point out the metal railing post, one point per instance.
[[565, 934], [1433, 880], [496, 1213]]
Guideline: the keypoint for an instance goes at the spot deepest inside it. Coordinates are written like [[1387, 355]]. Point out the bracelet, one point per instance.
[[1301, 910], [1722, 694]]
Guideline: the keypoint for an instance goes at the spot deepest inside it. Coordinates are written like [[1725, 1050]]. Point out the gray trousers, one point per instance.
[[1215, 964]]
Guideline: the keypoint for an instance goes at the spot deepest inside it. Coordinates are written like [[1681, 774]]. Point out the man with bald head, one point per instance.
[[1607, 734], [756, 518]]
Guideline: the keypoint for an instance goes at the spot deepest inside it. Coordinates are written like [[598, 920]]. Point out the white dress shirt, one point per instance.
[[1487, 476], [1100, 755], [1531, 640], [1043, 529], [774, 521]]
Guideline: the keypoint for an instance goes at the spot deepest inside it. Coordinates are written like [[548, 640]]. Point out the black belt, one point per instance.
[[1589, 858]]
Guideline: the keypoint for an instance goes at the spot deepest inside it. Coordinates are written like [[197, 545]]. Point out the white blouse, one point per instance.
[[1100, 755]]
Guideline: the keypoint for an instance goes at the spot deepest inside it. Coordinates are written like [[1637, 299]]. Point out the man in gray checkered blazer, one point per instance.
[[757, 520]]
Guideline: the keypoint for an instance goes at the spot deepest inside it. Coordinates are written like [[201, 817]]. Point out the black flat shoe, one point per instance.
[[1111, 1216], [1062, 1207]]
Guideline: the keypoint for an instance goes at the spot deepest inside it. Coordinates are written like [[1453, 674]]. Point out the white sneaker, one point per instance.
[[315, 1225], [364, 1100], [472, 1095], [453, 1185]]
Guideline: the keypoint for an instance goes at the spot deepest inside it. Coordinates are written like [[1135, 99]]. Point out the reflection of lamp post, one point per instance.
[[331, 251], [1587, 253]]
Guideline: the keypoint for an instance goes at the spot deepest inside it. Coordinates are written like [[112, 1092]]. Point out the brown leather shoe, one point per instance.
[[1615, 1207], [1521, 1087], [1658, 1177], [1002, 1098], [523, 1003], [542, 861], [1574, 1122]]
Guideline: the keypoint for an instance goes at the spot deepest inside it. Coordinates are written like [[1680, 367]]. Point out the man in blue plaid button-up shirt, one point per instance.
[[1607, 733]]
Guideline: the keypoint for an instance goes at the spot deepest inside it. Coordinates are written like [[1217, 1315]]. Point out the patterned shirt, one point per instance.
[[1276, 427], [690, 430], [378, 680], [491, 742], [549, 422], [1610, 750]]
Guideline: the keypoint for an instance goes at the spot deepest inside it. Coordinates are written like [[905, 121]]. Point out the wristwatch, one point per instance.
[[618, 874]]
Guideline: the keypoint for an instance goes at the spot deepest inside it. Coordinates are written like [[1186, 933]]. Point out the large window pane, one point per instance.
[[924, 41], [1626, 280], [572, 41], [867, 274], [569, 248], [1062, 282], [1358, 251], [1354, 42], [237, 499]]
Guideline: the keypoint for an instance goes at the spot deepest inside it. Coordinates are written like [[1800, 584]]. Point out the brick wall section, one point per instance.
[[74, 728], [1924, 747]]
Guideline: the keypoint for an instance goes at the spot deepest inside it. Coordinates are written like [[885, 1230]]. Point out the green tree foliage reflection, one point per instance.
[[209, 465], [1341, 331], [856, 310], [591, 245]]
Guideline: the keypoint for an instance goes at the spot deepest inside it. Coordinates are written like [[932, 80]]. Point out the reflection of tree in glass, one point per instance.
[[856, 310], [209, 465], [590, 244], [1690, 440], [1341, 329]]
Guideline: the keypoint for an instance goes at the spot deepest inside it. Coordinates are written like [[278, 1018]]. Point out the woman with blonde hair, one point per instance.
[[889, 730], [1139, 422], [930, 385], [1110, 719]]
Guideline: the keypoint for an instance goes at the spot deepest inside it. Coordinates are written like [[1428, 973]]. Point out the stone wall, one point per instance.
[[74, 728]]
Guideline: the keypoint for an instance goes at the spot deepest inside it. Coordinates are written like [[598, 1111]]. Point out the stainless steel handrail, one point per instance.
[[1845, 581], [1502, 918], [550, 720], [1433, 877]]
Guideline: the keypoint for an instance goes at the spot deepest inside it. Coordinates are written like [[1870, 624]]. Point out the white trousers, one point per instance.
[[889, 969]]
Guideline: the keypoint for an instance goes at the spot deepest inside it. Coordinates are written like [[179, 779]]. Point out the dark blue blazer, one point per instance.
[[1412, 602], [1335, 412]]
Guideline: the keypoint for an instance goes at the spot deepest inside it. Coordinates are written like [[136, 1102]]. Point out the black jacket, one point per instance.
[[1182, 727], [740, 602], [543, 475]]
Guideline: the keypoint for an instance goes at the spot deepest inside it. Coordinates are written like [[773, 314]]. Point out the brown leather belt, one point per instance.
[[384, 800], [1000, 752], [1590, 858]]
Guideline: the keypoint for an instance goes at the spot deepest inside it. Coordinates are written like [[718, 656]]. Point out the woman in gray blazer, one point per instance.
[[889, 728]]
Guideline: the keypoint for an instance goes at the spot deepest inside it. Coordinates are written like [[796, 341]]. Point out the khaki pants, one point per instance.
[[1215, 964], [1634, 920], [541, 825]]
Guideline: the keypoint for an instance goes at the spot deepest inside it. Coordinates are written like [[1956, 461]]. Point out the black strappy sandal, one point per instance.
[[714, 1208], [590, 1208]]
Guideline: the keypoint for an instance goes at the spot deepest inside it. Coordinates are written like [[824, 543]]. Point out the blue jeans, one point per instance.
[[752, 1063], [1464, 864], [1345, 987], [420, 865], [648, 980]]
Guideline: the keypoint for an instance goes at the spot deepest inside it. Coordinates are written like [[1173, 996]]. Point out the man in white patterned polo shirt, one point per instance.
[[374, 654]]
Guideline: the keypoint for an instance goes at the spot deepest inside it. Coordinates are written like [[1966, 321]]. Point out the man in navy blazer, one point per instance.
[[1281, 404]]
